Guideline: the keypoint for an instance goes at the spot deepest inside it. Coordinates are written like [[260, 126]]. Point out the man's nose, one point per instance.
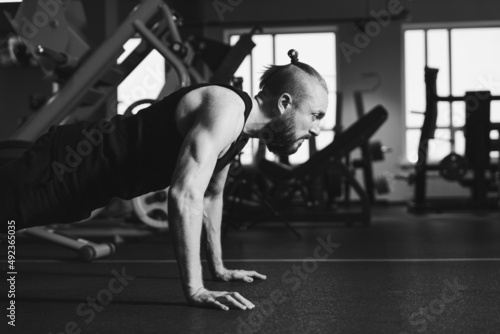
[[315, 130]]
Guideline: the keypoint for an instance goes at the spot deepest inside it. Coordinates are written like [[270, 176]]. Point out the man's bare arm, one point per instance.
[[198, 156], [212, 218]]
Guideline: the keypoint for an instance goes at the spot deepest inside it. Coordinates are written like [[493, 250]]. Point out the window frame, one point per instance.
[[286, 29], [425, 27]]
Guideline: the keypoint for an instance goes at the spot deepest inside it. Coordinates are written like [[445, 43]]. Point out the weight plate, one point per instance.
[[152, 208]]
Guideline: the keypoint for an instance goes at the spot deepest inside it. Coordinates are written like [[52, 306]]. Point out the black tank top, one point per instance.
[[126, 157]]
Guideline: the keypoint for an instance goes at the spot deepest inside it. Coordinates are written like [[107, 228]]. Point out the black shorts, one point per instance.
[[28, 191]]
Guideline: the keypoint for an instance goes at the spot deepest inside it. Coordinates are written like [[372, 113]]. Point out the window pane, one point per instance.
[[322, 59], [244, 69], [414, 76], [495, 112], [412, 139], [443, 119], [440, 146], [128, 48], [145, 82], [475, 60], [438, 57], [458, 115], [262, 56], [495, 136], [324, 138], [301, 156], [328, 122], [460, 143], [249, 151]]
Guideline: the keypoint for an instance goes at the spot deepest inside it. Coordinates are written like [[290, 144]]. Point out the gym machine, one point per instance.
[[475, 170], [87, 79], [371, 151], [289, 195]]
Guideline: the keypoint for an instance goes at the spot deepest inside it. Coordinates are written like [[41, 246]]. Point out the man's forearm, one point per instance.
[[185, 216], [212, 218]]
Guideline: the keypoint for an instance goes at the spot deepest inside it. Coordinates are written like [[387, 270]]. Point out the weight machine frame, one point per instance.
[[355, 136], [98, 76], [478, 114]]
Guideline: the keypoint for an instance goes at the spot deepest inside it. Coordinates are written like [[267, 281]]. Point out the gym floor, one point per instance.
[[403, 274]]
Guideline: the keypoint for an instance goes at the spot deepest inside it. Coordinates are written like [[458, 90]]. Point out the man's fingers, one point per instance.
[[218, 305], [256, 274], [224, 300], [234, 302], [243, 300]]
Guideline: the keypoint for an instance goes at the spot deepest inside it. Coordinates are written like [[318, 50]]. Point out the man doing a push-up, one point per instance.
[[185, 141]]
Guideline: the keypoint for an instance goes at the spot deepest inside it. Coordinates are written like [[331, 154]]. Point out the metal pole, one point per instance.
[[73, 91], [165, 52]]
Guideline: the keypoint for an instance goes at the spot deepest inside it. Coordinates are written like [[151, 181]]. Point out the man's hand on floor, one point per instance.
[[219, 300], [227, 275]]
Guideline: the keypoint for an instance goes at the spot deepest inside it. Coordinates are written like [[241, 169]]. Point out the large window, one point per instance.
[[468, 59], [316, 48], [146, 81]]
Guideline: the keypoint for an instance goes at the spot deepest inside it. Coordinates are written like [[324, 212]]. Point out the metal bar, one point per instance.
[[172, 27], [71, 94], [176, 63], [58, 57], [363, 196], [451, 98]]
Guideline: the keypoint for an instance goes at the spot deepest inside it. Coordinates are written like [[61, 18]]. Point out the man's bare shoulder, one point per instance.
[[214, 104], [216, 109], [225, 108], [223, 98]]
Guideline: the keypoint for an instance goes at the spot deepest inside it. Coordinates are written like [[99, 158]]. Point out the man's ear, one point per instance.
[[284, 103]]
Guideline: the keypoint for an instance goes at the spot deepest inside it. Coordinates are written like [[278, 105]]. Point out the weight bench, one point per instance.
[[287, 178]]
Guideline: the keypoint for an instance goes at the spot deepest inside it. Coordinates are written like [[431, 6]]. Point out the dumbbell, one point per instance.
[[152, 208]]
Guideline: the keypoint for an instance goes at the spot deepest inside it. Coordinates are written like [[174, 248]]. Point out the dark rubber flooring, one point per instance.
[[403, 274]]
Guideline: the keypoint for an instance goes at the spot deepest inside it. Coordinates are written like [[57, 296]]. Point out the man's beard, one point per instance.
[[279, 135]]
